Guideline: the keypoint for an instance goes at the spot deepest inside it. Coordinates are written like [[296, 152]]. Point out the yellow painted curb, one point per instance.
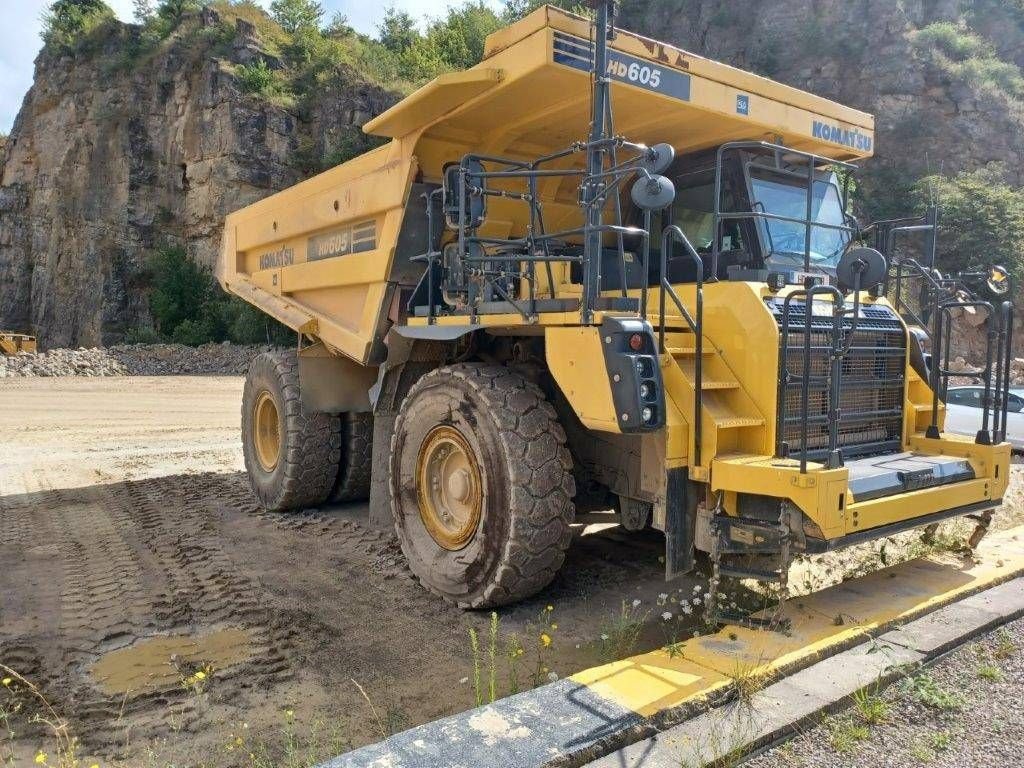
[[821, 624]]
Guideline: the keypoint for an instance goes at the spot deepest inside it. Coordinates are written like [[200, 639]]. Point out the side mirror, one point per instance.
[[653, 193], [998, 280], [1014, 404], [658, 158], [860, 269]]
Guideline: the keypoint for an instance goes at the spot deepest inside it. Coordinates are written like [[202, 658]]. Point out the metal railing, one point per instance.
[[830, 381], [936, 319], [696, 323]]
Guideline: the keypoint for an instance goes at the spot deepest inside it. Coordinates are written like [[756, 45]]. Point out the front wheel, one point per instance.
[[481, 485]]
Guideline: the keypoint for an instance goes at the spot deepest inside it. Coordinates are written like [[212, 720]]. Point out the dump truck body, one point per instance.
[[16, 343], [728, 393]]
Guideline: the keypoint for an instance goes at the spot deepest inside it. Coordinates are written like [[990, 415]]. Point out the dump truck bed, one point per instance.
[[326, 256]]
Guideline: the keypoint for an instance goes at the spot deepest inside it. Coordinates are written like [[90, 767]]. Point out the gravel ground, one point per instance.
[[134, 360], [966, 710]]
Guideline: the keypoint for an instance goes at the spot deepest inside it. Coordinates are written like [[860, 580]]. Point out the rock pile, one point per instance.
[[135, 360], [960, 366]]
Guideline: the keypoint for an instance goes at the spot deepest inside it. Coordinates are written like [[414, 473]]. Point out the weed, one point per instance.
[[1005, 647], [474, 644], [620, 634], [921, 753], [989, 672], [930, 693], [492, 653], [872, 709], [293, 749], [745, 681], [941, 741], [20, 695], [392, 720], [844, 734]]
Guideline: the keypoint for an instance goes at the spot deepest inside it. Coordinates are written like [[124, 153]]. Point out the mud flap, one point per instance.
[[680, 523]]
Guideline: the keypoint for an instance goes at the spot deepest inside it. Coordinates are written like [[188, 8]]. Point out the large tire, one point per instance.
[[356, 465], [520, 475], [301, 471]]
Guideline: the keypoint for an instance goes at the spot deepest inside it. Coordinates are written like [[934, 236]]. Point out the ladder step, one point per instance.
[[733, 572], [719, 384], [683, 351], [739, 422]]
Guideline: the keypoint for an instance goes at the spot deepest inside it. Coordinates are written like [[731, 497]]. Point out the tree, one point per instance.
[[297, 15], [459, 38], [143, 10], [173, 10], [398, 31], [981, 220], [68, 21]]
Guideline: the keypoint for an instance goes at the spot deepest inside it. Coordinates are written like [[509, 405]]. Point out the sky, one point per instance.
[[20, 41]]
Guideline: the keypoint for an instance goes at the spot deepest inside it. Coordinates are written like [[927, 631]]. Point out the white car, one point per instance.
[[963, 413]]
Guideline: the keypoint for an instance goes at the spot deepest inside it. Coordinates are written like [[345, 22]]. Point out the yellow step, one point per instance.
[[739, 422], [719, 384], [682, 351]]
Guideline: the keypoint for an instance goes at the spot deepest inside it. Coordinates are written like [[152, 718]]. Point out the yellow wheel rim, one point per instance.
[[449, 488], [266, 431]]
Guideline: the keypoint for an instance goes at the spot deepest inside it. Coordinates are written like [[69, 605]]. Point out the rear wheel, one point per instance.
[[481, 485], [356, 464], [291, 455]]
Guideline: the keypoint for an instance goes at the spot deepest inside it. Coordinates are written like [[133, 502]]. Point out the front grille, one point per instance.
[[871, 385]]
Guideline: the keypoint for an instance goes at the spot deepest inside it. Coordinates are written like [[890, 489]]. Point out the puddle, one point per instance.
[[157, 663]]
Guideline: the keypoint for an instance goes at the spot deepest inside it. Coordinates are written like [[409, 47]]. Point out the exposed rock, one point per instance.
[[112, 157]]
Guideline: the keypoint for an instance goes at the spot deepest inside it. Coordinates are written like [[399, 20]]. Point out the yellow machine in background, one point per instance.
[[528, 305], [15, 343]]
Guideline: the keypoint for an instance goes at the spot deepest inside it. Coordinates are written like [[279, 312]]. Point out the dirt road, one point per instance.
[[133, 558]]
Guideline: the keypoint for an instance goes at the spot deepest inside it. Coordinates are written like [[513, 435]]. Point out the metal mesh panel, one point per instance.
[[872, 381]]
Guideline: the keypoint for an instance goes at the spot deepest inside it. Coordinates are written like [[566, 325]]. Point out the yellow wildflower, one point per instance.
[[545, 639], [550, 608], [95, 765], [290, 712], [40, 758], [7, 682], [554, 626], [200, 675]]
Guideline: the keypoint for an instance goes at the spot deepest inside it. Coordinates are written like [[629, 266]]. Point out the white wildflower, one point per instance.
[[666, 615]]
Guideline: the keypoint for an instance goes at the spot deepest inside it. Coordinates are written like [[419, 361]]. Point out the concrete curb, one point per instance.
[[656, 708], [785, 707]]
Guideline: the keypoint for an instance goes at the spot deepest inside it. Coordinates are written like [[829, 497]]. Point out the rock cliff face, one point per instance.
[[934, 113], [107, 161]]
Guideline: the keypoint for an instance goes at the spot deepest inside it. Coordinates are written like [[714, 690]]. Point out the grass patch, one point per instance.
[[990, 672], [926, 690], [844, 735], [871, 708]]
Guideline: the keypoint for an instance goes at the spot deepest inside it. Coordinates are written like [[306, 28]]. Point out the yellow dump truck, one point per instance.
[[15, 343], [529, 306]]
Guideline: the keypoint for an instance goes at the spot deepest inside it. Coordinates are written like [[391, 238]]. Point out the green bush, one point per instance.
[[981, 220], [259, 78], [67, 22], [966, 56], [189, 307]]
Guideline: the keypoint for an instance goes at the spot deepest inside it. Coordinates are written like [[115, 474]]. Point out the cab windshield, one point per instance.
[[786, 241]]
